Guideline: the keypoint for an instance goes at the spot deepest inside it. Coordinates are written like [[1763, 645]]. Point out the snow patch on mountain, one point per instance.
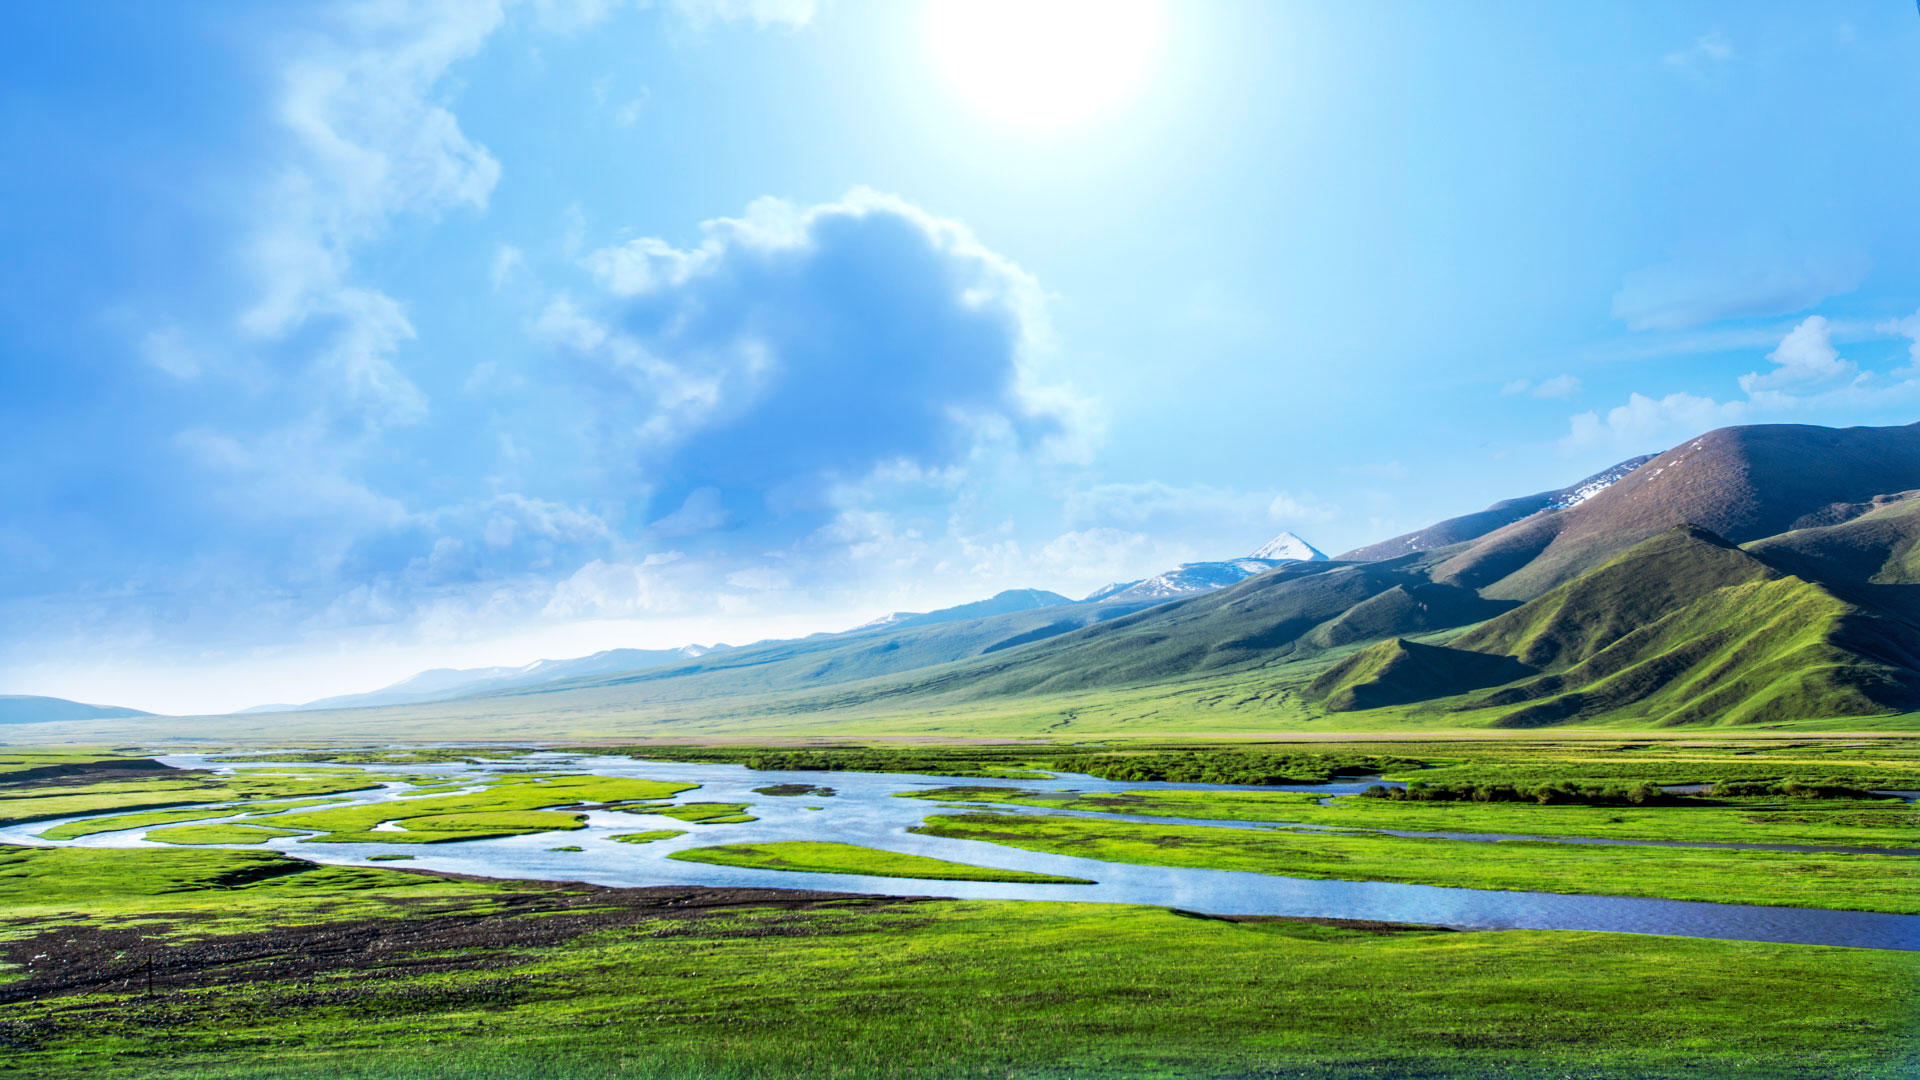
[[1569, 497], [1288, 546]]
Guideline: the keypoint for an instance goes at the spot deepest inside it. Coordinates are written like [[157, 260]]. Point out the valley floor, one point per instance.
[[329, 972], [176, 961]]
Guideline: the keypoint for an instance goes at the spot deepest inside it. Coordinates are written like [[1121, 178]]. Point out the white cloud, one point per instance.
[[167, 349], [1810, 379], [1708, 51], [507, 261], [1560, 386], [611, 590], [627, 113], [797, 351], [1305, 509], [1908, 327], [1645, 423], [760, 579], [1162, 506], [701, 511], [1085, 559], [366, 143], [1738, 279], [1378, 470], [1805, 357], [624, 113], [573, 16], [791, 14], [1155, 503]]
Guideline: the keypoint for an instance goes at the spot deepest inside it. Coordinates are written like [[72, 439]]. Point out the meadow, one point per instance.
[[203, 962]]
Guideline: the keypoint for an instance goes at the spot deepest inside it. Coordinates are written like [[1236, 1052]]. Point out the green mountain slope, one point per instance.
[[1400, 672], [1294, 612], [828, 660], [1872, 557], [1685, 628], [1631, 604]]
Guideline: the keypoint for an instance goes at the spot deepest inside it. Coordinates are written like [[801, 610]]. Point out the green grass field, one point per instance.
[[271, 967], [1883, 823], [1855, 882], [816, 857], [267, 967]]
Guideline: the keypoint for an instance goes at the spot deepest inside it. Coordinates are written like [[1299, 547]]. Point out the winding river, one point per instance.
[[864, 811]]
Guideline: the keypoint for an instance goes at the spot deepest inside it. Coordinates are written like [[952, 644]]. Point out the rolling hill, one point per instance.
[[29, 709], [1757, 575], [1740, 483], [1682, 628]]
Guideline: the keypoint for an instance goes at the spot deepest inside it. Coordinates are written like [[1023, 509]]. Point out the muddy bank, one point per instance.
[[421, 936]]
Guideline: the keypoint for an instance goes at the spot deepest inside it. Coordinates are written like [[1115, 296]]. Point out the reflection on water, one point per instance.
[[864, 811]]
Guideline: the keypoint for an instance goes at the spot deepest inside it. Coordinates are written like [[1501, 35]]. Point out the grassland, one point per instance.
[[701, 813], [1855, 882], [39, 789], [647, 837], [270, 967], [1883, 823], [508, 807], [266, 967], [816, 857]]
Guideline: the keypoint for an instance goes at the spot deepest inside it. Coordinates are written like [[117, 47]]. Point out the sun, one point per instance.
[[1043, 64]]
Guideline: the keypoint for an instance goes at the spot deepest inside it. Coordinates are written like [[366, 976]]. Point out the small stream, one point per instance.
[[864, 811]]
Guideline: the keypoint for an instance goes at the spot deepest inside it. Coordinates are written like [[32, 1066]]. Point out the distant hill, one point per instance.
[[441, 684], [1766, 574], [1742, 483], [1191, 579], [998, 604], [27, 709], [1475, 525], [1682, 628]]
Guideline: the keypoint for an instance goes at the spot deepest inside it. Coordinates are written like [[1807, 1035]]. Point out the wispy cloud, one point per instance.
[[1709, 52], [1737, 280], [790, 14], [1559, 386]]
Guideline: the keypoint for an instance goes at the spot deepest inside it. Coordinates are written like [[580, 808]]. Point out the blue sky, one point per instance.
[[341, 340]]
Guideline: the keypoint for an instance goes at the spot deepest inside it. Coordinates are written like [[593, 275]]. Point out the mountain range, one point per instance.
[[1754, 575], [442, 684], [30, 709]]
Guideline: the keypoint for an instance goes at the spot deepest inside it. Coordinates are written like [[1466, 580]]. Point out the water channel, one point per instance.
[[865, 811]]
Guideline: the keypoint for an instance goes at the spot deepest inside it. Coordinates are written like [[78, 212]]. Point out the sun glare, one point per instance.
[[1043, 63]]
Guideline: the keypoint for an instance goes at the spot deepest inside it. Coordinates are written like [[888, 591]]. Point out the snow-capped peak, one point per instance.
[[1288, 546]]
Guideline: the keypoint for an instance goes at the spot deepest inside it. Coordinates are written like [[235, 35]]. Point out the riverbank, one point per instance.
[[270, 967]]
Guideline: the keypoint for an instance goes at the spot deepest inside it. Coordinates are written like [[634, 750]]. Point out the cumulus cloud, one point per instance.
[[1805, 357], [1809, 376], [797, 348], [1646, 422]]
